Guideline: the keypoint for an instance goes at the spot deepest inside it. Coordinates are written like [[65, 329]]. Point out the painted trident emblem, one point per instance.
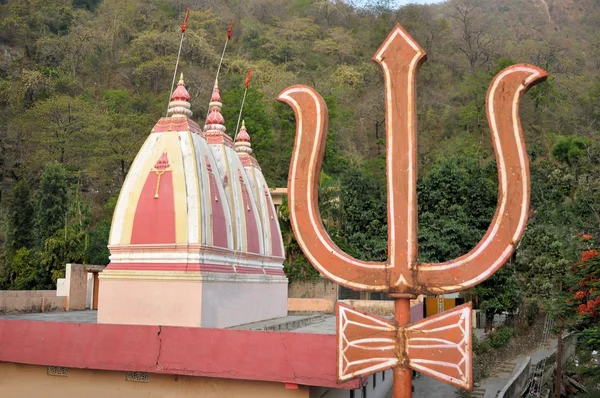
[[439, 346]]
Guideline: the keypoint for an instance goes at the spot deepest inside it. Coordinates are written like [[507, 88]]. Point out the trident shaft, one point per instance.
[[438, 346]]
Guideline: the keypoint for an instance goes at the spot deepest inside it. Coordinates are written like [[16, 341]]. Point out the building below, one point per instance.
[[68, 354]]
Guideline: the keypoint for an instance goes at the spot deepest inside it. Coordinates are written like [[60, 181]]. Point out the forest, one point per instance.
[[82, 82]]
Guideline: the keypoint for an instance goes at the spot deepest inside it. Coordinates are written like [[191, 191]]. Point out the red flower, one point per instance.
[[590, 305], [586, 236], [582, 310], [588, 254], [580, 295]]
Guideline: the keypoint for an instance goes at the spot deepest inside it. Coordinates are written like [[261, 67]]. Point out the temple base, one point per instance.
[[192, 299]]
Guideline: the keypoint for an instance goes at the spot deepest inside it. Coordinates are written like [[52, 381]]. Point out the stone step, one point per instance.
[[478, 392], [507, 367]]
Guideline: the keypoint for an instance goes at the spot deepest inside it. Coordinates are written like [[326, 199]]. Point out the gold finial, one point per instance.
[[181, 78], [216, 83], [243, 124]]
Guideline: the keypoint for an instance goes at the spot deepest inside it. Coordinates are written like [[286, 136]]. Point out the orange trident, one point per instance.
[[438, 346]]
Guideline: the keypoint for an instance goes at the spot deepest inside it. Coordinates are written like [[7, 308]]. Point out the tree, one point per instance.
[[579, 306], [474, 42], [456, 198], [51, 203], [498, 294], [19, 218], [364, 230]]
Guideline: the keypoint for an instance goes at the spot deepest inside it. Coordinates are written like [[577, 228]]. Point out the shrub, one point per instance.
[[482, 348], [533, 311], [500, 337]]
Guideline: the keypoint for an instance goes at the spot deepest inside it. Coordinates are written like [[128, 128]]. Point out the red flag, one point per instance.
[[184, 25], [247, 82], [230, 30]]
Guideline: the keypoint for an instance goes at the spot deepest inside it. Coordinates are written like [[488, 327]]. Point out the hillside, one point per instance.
[[82, 82]]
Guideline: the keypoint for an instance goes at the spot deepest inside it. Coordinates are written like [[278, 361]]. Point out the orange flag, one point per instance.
[[230, 30], [247, 82], [184, 25]]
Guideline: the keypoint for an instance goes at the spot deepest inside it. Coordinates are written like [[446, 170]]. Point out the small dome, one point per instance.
[[179, 107], [243, 134], [180, 93], [215, 117]]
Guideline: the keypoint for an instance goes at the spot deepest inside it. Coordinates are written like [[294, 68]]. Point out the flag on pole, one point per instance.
[[230, 30], [184, 25], [247, 82]]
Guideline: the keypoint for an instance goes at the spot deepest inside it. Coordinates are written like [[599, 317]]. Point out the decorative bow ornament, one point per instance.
[[439, 346]]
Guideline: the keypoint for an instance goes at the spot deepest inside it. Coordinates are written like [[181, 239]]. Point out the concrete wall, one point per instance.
[[518, 382], [150, 302], [383, 307], [226, 304], [63, 286], [317, 288], [25, 381], [19, 301], [76, 286], [311, 305]]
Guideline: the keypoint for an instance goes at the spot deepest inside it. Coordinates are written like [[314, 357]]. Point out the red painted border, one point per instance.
[[285, 357]]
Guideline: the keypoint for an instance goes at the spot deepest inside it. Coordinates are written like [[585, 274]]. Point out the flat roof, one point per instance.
[[304, 356]]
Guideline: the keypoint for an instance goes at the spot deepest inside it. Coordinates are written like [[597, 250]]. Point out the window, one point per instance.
[[351, 393], [383, 376], [374, 380], [364, 392]]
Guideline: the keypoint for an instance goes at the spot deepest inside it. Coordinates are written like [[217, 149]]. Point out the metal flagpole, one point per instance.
[[240, 115], [183, 28], [246, 84], [221, 62]]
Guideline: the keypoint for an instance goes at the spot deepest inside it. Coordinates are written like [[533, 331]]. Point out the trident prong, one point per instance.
[[400, 57], [365, 343]]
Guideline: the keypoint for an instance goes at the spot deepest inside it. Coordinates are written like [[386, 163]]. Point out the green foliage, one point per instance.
[[500, 337], [51, 202], [482, 348], [532, 312], [457, 197], [544, 258], [19, 217], [569, 149], [82, 82], [365, 223], [498, 294], [296, 266]]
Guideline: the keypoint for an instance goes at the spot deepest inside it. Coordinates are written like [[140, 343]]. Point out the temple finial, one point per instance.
[[180, 101], [242, 140]]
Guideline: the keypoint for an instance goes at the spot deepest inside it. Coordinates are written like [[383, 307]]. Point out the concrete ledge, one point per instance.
[[284, 324], [518, 382], [305, 305], [16, 303], [284, 357], [27, 293], [376, 307]]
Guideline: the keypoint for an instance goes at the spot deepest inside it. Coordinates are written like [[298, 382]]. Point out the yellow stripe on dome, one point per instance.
[[230, 193], [198, 193], [116, 226], [173, 148], [147, 164]]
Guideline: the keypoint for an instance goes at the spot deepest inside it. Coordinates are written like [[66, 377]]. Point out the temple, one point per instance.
[[194, 239]]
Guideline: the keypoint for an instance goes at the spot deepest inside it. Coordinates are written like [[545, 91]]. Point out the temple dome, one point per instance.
[[189, 211], [266, 208]]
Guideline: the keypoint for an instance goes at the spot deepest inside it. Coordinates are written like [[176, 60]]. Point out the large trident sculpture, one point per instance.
[[438, 346]]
